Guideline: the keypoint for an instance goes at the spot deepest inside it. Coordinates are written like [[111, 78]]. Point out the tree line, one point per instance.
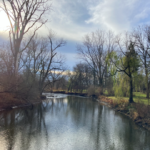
[[116, 64]]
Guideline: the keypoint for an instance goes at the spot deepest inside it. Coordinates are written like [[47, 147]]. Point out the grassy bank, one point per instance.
[[138, 111], [138, 97]]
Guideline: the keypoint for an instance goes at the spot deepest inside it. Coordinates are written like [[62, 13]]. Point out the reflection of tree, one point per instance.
[[98, 125], [32, 129], [105, 128], [26, 124]]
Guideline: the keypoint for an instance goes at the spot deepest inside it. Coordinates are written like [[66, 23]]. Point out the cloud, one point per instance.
[[119, 15], [73, 19], [68, 18]]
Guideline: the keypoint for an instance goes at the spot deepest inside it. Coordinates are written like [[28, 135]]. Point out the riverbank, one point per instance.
[[139, 113], [70, 93], [10, 101]]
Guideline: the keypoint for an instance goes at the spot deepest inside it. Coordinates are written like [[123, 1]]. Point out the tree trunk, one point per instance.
[[16, 64], [16, 54], [101, 84], [147, 85], [94, 81], [131, 90], [41, 92]]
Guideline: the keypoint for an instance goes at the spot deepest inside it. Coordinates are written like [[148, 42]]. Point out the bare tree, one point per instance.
[[142, 36], [6, 69], [41, 64], [61, 84], [94, 51], [23, 15], [51, 63], [31, 64], [31, 57]]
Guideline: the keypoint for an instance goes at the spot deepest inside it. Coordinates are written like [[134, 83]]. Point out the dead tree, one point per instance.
[[51, 64]]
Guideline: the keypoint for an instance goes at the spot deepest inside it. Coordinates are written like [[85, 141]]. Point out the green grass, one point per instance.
[[105, 92], [138, 97]]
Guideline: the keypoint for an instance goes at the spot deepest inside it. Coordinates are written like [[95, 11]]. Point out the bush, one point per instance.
[[110, 92], [143, 110], [94, 91], [121, 103], [134, 114], [99, 91], [91, 90]]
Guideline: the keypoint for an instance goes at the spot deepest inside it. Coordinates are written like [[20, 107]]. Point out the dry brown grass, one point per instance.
[[106, 99], [122, 103], [135, 115]]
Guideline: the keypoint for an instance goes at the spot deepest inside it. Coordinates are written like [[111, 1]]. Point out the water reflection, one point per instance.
[[70, 123]]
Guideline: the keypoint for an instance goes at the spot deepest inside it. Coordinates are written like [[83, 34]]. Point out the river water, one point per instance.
[[70, 123]]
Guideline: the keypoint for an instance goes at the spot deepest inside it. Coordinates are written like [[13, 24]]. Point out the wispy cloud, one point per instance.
[[119, 15], [68, 18], [73, 19]]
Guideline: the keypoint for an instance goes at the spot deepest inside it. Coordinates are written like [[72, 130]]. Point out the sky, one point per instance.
[[73, 19]]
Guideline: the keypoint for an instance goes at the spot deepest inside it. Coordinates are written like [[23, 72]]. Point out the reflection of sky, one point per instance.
[[73, 19]]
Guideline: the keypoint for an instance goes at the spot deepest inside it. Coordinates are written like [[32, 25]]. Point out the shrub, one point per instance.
[[143, 110], [134, 114], [99, 91], [123, 103], [110, 92], [92, 90]]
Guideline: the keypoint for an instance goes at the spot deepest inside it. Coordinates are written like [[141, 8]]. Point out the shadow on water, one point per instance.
[[73, 123]]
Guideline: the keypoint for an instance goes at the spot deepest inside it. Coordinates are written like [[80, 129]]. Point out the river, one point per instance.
[[70, 123]]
